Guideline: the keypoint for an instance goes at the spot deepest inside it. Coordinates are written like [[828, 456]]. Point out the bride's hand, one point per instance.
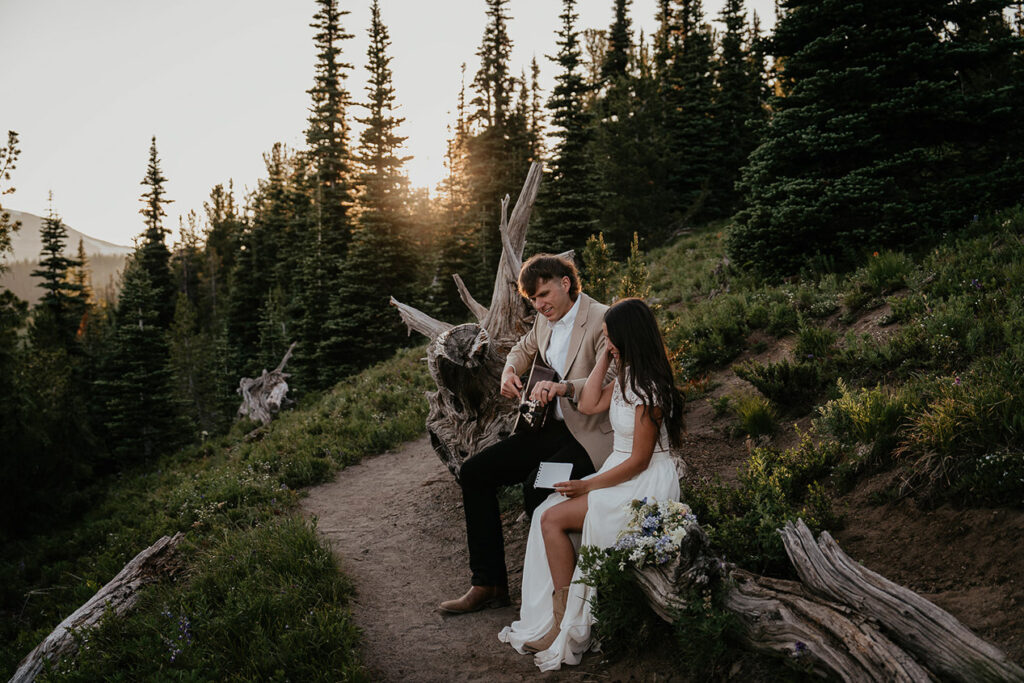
[[573, 488]]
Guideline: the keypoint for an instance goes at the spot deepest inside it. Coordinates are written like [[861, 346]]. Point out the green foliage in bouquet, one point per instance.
[[625, 625]]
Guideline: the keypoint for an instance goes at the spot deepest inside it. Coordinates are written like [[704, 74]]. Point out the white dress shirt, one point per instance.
[[558, 346]]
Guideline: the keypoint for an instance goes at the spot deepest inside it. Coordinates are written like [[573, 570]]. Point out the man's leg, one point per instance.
[[505, 463]]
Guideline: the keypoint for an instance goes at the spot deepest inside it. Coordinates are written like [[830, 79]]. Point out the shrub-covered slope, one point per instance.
[[885, 405], [260, 597]]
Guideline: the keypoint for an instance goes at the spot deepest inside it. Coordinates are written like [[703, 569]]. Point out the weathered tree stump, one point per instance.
[[117, 596], [841, 621], [467, 414], [263, 396]]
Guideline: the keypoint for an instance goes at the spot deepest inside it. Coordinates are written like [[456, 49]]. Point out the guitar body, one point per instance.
[[532, 416]]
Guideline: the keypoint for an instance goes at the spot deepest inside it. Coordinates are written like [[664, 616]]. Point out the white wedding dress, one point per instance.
[[607, 515]]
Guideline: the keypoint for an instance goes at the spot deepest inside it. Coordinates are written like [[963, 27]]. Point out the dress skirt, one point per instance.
[[607, 514]]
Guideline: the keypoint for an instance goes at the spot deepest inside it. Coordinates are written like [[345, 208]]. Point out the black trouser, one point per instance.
[[508, 462]]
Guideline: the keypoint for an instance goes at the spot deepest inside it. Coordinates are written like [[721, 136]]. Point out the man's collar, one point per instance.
[[570, 317]]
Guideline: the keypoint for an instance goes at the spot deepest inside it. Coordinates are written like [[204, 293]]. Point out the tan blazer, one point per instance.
[[594, 432]]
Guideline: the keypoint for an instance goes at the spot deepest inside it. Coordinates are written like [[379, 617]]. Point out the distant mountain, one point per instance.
[[27, 243], [106, 260]]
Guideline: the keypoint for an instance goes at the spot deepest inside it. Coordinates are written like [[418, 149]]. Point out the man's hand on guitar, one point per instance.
[[511, 385], [546, 392]]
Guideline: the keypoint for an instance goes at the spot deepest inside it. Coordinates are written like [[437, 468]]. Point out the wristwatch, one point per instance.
[[570, 390]]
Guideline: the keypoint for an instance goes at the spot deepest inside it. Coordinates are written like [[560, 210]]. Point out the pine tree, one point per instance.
[[81, 275], [688, 92], [629, 147], [327, 135], [455, 241], [986, 56], [620, 43], [317, 265], [739, 112], [153, 254], [263, 245], [362, 327], [186, 260], [13, 313], [493, 83], [8, 158], [536, 113], [598, 278], [57, 316], [274, 332], [568, 200], [635, 281], [224, 228], [193, 364], [886, 137], [141, 416]]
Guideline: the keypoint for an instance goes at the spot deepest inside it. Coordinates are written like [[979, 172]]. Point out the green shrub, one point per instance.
[[710, 336], [774, 487], [783, 319], [721, 406], [794, 386], [814, 343], [868, 417], [756, 416], [884, 273], [964, 444]]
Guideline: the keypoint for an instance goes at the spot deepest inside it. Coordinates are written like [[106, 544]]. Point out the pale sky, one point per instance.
[[87, 83]]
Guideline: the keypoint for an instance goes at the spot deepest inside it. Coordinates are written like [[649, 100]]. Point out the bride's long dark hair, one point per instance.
[[634, 332]]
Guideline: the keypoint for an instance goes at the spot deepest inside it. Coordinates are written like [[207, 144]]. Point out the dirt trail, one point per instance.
[[395, 522]]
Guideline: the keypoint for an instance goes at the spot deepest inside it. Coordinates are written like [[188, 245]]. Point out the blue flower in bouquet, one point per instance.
[[651, 524], [664, 549], [625, 543]]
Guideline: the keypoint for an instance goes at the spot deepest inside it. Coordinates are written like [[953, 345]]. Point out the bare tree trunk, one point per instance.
[[118, 596], [467, 414], [841, 620], [263, 396]]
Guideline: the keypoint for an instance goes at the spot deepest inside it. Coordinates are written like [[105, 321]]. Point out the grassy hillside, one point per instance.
[[933, 392], [260, 594], [885, 405]]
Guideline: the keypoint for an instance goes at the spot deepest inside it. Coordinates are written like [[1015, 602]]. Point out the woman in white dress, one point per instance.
[[646, 412]]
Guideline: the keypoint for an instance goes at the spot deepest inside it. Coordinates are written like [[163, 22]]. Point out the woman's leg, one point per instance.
[[556, 523]]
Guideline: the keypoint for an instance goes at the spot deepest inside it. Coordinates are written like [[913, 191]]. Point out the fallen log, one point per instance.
[[263, 396], [942, 643], [841, 621], [116, 597]]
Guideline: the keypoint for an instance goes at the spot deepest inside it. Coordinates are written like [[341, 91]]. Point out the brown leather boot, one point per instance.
[[558, 600], [477, 598]]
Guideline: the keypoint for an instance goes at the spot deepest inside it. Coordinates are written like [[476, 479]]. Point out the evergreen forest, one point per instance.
[[830, 162]]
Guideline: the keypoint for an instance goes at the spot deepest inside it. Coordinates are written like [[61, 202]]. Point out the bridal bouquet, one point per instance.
[[655, 531]]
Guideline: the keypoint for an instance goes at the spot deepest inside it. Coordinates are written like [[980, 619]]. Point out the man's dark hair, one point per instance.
[[548, 267]]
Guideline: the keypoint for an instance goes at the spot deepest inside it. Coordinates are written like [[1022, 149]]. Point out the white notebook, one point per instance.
[[550, 473]]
